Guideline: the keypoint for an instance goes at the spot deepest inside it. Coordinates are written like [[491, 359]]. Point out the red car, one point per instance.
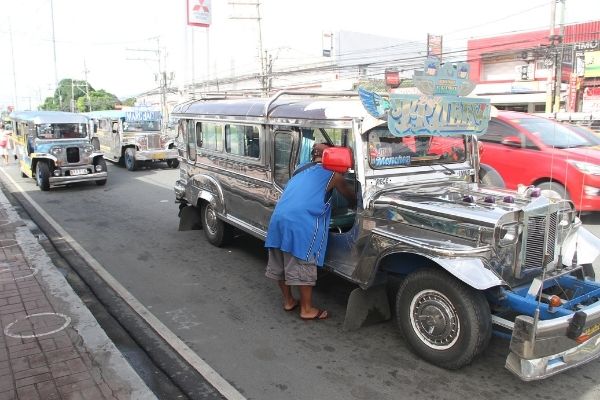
[[530, 150]]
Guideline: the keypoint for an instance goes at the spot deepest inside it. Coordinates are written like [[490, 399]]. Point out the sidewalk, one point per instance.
[[51, 347]]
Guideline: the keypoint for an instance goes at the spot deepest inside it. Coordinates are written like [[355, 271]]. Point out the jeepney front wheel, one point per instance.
[[42, 175], [173, 163], [216, 231], [443, 320], [130, 161]]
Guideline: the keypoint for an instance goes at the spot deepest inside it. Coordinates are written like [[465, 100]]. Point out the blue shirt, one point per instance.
[[300, 222]]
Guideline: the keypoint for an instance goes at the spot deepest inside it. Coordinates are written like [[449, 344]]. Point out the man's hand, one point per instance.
[[339, 183]]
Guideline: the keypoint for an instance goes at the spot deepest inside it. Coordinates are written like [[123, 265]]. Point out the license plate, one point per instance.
[[158, 156], [75, 172]]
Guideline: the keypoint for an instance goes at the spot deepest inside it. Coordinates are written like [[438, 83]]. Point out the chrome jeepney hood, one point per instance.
[[457, 202], [462, 216]]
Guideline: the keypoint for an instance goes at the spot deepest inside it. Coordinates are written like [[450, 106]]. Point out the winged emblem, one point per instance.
[[374, 103]]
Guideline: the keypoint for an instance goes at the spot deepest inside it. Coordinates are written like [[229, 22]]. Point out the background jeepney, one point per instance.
[[54, 148], [474, 259], [132, 137]]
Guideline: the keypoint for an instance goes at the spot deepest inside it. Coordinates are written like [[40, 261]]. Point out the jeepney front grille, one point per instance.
[[153, 142], [72, 154], [540, 244]]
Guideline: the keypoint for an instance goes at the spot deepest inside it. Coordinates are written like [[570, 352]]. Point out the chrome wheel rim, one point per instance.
[[211, 220], [434, 319]]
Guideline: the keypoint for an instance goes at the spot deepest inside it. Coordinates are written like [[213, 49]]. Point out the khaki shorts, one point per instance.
[[283, 266]]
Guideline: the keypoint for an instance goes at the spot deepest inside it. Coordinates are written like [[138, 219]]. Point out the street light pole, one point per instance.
[[552, 68]]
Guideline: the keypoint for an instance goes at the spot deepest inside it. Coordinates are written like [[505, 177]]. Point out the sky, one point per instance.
[[116, 44]]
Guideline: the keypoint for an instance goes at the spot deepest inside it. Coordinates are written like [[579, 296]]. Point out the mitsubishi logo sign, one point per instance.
[[198, 13]]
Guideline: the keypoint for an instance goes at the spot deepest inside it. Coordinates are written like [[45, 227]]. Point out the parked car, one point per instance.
[[531, 150], [589, 134]]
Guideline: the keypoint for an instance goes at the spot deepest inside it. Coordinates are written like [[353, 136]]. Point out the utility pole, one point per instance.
[[551, 59], [54, 49], [263, 63], [12, 53], [160, 77], [559, 58], [87, 89]]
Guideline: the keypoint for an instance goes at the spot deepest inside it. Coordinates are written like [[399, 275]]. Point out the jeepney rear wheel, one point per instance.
[[102, 163], [443, 320], [216, 231], [42, 175], [173, 163], [130, 162]]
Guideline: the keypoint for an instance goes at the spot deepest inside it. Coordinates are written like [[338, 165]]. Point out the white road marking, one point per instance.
[[212, 376], [36, 335]]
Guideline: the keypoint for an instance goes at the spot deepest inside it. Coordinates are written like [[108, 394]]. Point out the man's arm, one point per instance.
[[339, 183]]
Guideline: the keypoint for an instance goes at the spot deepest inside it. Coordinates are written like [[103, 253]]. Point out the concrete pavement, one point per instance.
[[51, 347]]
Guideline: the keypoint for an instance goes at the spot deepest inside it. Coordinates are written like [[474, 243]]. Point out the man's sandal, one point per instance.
[[321, 314]]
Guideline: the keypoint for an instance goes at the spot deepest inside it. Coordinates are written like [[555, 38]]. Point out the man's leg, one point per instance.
[[307, 311], [289, 302]]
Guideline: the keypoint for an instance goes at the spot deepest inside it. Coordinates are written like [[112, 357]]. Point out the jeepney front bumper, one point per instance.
[[63, 180], [548, 350], [179, 189], [155, 155]]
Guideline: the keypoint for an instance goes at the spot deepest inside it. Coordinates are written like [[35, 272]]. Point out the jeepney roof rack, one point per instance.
[[313, 93]]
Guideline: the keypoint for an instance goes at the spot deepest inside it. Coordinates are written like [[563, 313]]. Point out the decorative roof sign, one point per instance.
[[439, 111], [142, 115]]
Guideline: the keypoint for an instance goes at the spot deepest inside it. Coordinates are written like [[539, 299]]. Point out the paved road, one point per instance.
[[220, 304]]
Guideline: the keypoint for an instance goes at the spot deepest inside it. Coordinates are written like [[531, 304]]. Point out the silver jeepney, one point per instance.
[[471, 255], [132, 137], [54, 148]]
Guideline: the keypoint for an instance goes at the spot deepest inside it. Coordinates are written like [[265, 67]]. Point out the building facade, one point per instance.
[[519, 71]]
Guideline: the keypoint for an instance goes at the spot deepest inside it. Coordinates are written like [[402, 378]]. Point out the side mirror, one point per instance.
[[512, 141], [337, 159]]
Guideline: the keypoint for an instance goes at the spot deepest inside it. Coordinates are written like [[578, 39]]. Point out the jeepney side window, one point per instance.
[[242, 140], [209, 136], [103, 125], [282, 158], [191, 141]]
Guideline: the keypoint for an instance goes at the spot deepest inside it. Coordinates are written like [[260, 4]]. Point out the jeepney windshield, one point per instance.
[[389, 151], [61, 131], [141, 126]]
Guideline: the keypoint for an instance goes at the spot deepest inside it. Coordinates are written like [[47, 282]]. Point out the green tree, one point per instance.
[[130, 102], [99, 100], [70, 89]]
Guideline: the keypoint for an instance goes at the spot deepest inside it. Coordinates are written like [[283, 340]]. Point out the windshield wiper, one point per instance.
[[448, 171]]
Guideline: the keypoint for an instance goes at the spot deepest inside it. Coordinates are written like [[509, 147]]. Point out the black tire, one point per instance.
[[24, 175], [556, 188], [102, 163], [173, 163], [130, 161], [488, 176], [96, 143], [42, 175], [216, 231], [461, 314]]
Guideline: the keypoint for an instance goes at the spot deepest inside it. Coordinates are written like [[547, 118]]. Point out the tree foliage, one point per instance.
[[73, 90]]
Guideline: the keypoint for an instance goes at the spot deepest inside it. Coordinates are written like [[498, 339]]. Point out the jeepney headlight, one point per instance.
[[508, 234], [56, 151], [585, 167], [88, 149]]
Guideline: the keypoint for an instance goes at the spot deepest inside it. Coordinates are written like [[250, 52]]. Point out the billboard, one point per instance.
[[199, 13], [592, 64], [434, 46]]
